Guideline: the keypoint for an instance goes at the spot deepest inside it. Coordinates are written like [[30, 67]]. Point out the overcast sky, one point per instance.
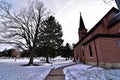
[[67, 12]]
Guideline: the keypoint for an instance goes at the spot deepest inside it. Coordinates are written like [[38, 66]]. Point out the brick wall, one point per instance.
[[110, 50]]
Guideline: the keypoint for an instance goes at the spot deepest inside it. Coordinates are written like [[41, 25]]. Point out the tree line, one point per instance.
[[64, 51]]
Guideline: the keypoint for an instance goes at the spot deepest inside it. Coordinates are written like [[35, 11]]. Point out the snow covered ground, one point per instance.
[[84, 72], [12, 70]]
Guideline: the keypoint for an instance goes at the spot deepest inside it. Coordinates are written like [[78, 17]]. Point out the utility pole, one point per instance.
[[118, 4]]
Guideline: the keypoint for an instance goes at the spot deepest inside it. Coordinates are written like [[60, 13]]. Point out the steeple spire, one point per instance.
[[81, 23], [82, 30]]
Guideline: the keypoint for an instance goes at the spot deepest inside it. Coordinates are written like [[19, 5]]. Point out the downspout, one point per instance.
[[96, 54]]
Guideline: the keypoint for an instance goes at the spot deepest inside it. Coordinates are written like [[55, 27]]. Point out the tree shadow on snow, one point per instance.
[[30, 65]]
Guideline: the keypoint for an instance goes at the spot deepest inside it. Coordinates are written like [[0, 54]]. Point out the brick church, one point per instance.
[[101, 45]]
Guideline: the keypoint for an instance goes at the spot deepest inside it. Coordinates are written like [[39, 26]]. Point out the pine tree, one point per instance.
[[51, 36], [66, 51]]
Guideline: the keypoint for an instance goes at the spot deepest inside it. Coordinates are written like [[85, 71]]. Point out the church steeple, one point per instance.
[[82, 30]]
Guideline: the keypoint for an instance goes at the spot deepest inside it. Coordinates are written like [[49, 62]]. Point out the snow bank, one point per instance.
[[86, 72]]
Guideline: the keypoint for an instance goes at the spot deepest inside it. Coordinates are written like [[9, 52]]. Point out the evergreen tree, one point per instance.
[[67, 52], [51, 36]]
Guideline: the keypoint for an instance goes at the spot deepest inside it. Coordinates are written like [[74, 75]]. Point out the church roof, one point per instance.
[[81, 23], [114, 21]]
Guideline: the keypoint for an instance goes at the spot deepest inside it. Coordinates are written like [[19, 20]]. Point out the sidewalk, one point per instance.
[[57, 74]]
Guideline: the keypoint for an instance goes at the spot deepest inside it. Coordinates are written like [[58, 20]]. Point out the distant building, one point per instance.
[[101, 45], [15, 53]]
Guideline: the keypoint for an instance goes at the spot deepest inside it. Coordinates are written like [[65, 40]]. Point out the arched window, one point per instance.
[[83, 50], [90, 51]]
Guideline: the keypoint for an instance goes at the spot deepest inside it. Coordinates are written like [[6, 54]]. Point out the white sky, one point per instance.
[[67, 12]]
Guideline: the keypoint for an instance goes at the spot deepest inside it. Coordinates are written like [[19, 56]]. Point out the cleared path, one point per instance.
[[57, 74]]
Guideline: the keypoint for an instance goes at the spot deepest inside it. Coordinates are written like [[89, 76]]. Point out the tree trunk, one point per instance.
[[31, 60], [31, 57], [47, 57]]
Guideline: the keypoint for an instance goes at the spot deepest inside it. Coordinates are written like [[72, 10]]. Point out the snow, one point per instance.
[[86, 72], [12, 70]]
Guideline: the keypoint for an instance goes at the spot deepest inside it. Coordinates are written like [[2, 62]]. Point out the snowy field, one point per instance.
[[12, 70], [85, 72]]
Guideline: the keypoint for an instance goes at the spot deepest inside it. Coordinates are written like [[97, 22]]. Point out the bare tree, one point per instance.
[[22, 27]]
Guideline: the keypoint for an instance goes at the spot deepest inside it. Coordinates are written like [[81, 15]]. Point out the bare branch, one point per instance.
[[22, 28]]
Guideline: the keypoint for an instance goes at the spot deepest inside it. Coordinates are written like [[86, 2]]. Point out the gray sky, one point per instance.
[[67, 12]]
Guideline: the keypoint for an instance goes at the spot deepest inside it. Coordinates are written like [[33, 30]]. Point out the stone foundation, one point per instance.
[[105, 65]]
